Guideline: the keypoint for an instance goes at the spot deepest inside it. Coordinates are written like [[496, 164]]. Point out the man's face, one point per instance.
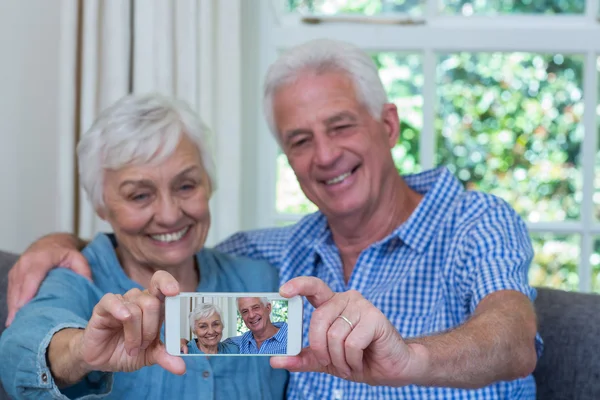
[[338, 151], [256, 316]]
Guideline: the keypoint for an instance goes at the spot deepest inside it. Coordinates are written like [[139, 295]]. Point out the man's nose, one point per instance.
[[326, 150]]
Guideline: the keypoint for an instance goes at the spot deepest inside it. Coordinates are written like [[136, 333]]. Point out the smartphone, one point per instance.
[[233, 324]]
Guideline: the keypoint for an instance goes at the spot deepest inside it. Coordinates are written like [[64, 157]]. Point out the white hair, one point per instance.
[[204, 311], [138, 130], [320, 56], [265, 302]]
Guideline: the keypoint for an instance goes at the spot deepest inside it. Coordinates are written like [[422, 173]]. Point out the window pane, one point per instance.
[[402, 76], [595, 263], [491, 7], [290, 198], [511, 124], [366, 7], [555, 261]]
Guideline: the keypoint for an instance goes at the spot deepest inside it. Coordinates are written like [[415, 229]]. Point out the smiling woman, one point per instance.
[[145, 166]]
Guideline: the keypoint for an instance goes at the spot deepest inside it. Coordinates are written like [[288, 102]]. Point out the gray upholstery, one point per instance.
[[569, 324], [6, 261]]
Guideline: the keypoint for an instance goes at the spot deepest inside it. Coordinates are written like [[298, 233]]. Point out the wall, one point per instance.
[[29, 120]]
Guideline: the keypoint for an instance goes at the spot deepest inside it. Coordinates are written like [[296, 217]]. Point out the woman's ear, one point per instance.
[[101, 212]]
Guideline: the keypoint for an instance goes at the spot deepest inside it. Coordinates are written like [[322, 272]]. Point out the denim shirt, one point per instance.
[[222, 348], [66, 300]]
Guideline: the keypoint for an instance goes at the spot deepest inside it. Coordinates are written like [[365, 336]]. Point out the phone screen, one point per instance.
[[211, 324]]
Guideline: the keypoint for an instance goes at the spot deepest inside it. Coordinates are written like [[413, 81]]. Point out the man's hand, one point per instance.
[[367, 349], [183, 346], [122, 335], [26, 276]]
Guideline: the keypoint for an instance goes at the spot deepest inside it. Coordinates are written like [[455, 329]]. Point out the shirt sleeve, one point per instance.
[[64, 300], [498, 256]]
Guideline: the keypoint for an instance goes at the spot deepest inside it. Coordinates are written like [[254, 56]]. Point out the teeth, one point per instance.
[[170, 237], [337, 179]]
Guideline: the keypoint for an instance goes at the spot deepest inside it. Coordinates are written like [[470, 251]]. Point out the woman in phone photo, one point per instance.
[[207, 323]]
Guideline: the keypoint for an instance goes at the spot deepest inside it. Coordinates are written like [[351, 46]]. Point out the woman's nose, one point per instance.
[[168, 212]]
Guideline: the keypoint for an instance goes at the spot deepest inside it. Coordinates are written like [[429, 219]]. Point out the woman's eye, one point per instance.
[[186, 187]]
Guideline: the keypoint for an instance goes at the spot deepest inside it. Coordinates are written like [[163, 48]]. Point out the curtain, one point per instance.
[[139, 46]]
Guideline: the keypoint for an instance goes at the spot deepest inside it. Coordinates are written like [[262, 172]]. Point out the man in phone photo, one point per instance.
[[414, 286], [263, 336]]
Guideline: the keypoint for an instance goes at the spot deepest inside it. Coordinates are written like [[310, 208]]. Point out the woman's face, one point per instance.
[[159, 212], [209, 330]]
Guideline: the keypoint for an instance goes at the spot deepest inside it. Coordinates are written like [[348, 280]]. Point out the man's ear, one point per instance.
[[391, 123]]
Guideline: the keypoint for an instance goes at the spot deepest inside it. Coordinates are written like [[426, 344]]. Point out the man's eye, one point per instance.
[[139, 197], [342, 127], [299, 143]]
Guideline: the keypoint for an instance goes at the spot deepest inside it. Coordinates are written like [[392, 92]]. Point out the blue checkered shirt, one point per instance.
[[277, 344], [427, 276]]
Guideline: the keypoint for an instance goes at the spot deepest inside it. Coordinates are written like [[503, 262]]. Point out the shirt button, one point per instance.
[[206, 374], [45, 377]]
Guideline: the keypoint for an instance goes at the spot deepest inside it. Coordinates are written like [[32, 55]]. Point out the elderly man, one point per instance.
[[417, 288], [263, 337]]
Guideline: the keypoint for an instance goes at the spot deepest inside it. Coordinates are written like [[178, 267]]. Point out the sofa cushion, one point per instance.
[[7, 260], [569, 324]]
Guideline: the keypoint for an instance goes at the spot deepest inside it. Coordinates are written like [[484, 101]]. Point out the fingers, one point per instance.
[[158, 355], [315, 290], [336, 345], [26, 276], [303, 362], [163, 284], [76, 262], [321, 322], [13, 294], [147, 328]]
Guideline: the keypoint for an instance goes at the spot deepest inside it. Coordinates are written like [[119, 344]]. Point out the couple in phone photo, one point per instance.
[[262, 337]]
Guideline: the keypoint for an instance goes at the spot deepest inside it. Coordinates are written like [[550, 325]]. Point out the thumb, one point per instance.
[[306, 361], [158, 355]]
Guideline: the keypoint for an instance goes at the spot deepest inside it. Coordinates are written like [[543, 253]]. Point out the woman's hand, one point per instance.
[[124, 331], [350, 338]]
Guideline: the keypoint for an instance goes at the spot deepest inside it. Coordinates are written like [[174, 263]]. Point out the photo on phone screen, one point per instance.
[[233, 324]]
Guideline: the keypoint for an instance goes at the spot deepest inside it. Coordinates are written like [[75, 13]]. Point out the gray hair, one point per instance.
[[137, 130], [203, 311], [320, 56], [265, 302]]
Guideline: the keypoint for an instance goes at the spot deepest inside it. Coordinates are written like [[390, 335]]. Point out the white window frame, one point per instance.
[[433, 34]]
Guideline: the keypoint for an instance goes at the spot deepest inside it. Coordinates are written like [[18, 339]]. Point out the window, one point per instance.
[[504, 92]]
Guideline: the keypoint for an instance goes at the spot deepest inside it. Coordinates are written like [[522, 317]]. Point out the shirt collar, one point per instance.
[[440, 189], [280, 336]]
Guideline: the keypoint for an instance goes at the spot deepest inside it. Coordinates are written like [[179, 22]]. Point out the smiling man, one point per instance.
[[264, 336]]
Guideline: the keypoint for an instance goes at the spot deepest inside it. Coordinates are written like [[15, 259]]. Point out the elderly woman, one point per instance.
[[207, 324], [145, 167]]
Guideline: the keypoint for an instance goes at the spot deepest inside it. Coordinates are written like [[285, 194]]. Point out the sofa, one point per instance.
[[569, 323]]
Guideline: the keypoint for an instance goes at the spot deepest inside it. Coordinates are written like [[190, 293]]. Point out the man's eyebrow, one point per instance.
[[342, 116]]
